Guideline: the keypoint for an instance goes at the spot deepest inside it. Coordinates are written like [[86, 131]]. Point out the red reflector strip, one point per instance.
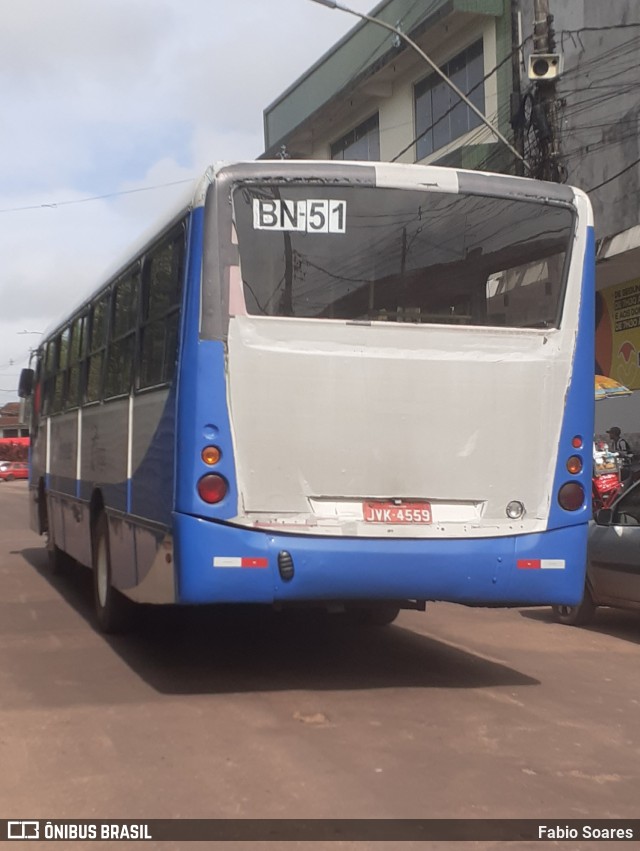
[[236, 561], [528, 564], [541, 564]]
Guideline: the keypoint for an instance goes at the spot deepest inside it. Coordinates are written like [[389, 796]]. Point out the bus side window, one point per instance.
[[48, 375], [97, 343], [122, 335], [61, 371], [162, 292], [76, 355]]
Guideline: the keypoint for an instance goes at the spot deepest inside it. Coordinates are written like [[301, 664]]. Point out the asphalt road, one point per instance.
[[452, 713]]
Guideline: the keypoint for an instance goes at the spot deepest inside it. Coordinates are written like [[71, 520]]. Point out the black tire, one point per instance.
[[579, 615], [374, 615], [113, 611], [9, 478]]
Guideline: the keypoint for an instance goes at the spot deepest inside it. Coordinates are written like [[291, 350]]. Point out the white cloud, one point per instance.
[[113, 95]]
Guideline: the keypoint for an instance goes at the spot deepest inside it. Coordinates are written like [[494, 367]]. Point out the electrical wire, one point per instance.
[[55, 204], [615, 176]]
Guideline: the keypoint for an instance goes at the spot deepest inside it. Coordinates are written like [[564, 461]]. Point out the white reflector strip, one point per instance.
[[235, 561], [541, 564]]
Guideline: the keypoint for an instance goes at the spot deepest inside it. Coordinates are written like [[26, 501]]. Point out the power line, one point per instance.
[[615, 176], [54, 204]]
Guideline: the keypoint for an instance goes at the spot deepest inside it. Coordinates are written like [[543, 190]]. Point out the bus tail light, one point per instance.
[[212, 488], [571, 496]]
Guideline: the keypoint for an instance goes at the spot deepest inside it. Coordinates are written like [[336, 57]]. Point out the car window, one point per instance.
[[627, 512]]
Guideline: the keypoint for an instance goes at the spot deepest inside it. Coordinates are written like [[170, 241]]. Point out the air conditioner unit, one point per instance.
[[544, 66]]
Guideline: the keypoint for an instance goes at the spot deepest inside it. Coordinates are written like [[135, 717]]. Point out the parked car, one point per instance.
[[613, 561], [10, 470]]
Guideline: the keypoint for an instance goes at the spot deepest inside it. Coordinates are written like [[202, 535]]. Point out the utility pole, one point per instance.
[[517, 113], [545, 102]]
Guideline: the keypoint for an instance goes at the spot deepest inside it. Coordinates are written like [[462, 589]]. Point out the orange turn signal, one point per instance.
[[574, 464], [211, 455]]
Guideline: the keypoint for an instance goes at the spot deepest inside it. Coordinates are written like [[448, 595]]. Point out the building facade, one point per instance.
[[372, 97], [11, 422]]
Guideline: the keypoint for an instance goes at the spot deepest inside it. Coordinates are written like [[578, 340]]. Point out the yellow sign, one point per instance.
[[618, 333]]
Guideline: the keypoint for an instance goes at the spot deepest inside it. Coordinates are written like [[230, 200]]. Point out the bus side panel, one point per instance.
[[578, 415], [64, 453], [103, 454], [153, 442], [77, 541], [122, 549], [225, 564], [204, 421], [203, 416]]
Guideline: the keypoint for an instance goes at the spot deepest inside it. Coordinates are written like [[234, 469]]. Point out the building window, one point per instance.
[[361, 143], [441, 116]]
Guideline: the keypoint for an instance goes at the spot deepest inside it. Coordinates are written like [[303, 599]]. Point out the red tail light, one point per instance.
[[571, 496], [212, 488]]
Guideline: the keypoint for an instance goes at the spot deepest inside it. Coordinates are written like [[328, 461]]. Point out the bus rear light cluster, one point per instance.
[[576, 442], [212, 488], [571, 496]]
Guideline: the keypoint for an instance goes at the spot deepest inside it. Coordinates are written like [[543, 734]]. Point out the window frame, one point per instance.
[[342, 144], [431, 82], [93, 351], [117, 336], [170, 316], [76, 361]]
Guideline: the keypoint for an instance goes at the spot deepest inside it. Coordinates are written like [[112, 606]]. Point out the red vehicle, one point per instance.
[[607, 478], [10, 470]]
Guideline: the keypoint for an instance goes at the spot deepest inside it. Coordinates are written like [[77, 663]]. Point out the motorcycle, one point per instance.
[[607, 482]]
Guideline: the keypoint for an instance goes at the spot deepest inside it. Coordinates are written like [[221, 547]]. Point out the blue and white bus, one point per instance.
[[358, 385]]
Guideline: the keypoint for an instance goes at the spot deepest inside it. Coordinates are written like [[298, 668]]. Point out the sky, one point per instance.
[[116, 100]]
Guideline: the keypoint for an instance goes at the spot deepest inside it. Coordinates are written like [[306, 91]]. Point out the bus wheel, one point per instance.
[[576, 615], [381, 615], [113, 611]]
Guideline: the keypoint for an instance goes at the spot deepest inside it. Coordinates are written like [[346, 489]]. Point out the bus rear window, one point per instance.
[[372, 254]]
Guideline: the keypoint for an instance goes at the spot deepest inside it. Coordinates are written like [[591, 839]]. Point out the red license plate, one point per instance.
[[390, 512]]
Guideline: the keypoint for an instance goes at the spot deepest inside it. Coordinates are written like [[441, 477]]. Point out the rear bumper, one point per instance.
[[218, 563]]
